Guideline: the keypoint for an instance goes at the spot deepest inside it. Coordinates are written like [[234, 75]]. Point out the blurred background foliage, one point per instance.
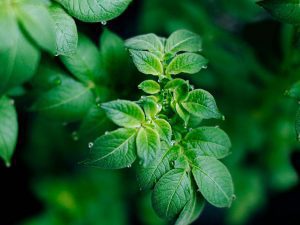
[[251, 64]]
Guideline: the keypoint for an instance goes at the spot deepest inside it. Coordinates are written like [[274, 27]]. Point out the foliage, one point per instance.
[[176, 155]]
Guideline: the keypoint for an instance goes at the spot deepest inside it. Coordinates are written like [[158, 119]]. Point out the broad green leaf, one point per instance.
[[287, 11], [183, 40], [149, 87], [8, 129], [19, 61], [8, 24], [294, 91], [95, 10], [113, 53], [85, 63], [37, 22], [164, 130], [202, 104], [214, 181], [69, 101], [114, 150], [147, 144], [171, 193], [66, 31], [150, 174], [186, 63], [191, 210], [147, 62], [207, 141], [124, 113], [148, 42]]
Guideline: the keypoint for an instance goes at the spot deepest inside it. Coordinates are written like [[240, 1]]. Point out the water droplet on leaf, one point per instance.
[[75, 136], [103, 23], [91, 144]]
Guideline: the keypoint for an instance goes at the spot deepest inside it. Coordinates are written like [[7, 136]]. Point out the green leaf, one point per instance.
[[294, 91], [8, 23], [147, 62], [95, 10], [183, 40], [66, 31], [37, 22], [19, 61], [186, 63], [207, 141], [179, 87], [124, 113], [85, 63], [114, 150], [150, 87], [202, 104], [151, 108], [147, 144], [182, 113], [149, 42], [164, 130], [214, 181], [287, 11], [113, 53], [69, 101], [171, 193], [8, 129], [150, 174], [191, 210]]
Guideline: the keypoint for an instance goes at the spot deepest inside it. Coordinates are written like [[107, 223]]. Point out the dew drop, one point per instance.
[[223, 118], [91, 144], [103, 23], [192, 87], [75, 136], [233, 197], [217, 126], [56, 54], [128, 166], [204, 67], [12, 102], [106, 132]]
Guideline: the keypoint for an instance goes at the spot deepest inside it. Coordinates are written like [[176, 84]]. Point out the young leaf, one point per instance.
[[147, 145], [69, 101], [182, 113], [8, 23], [38, 23], [150, 87], [191, 210], [287, 11], [66, 31], [114, 150], [214, 181], [124, 113], [85, 63], [18, 62], [171, 193], [149, 42], [202, 104], [207, 141], [150, 174], [150, 107], [164, 130], [95, 10], [186, 63], [183, 40], [147, 62], [8, 129]]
